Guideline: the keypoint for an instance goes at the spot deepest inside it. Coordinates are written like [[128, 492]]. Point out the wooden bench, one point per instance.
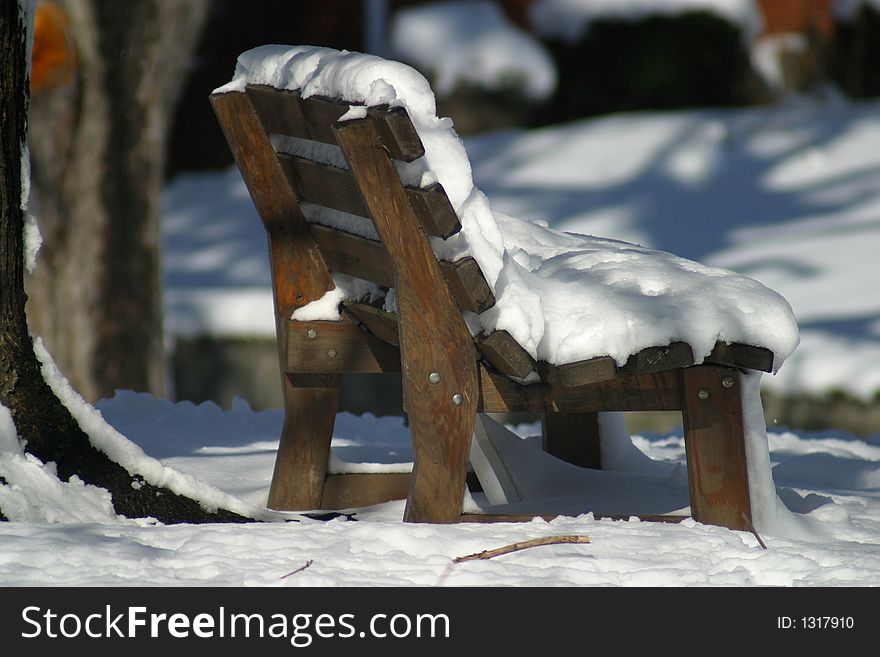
[[448, 375]]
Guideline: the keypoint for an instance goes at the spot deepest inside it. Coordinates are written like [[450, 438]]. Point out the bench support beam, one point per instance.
[[715, 446], [437, 352]]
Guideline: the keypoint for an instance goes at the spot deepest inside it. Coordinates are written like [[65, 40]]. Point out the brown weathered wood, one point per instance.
[[369, 259], [354, 255], [299, 276], [631, 392], [434, 210], [676, 355], [397, 133], [742, 355], [334, 187], [657, 359], [337, 348], [581, 373], [505, 354], [433, 335], [323, 184], [280, 111], [468, 285], [304, 449], [287, 113], [379, 322], [715, 446], [346, 491], [572, 437]]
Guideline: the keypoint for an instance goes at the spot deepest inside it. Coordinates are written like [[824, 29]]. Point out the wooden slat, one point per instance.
[[323, 184], [676, 355], [336, 348], [287, 113], [280, 111], [433, 335], [604, 368], [505, 354], [380, 323], [434, 210], [742, 355], [468, 285], [580, 373], [629, 392], [346, 491], [397, 133], [354, 255], [715, 446], [368, 259], [335, 188], [659, 359]]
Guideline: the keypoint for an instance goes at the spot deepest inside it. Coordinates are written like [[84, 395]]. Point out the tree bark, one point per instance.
[[41, 420], [98, 150]]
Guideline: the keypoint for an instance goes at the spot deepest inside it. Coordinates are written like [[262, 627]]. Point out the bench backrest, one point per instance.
[[305, 137], [287, 114], [300, 161]]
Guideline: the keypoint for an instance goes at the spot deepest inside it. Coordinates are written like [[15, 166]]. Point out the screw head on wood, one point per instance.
[[331, 353], [703, 394], [434, 377], [727, 382], [457, 399], [311, 334]]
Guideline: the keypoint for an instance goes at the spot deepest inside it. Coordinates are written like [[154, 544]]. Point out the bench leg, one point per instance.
[[715, 446], [441, 433], [304, 449], [572, 437]]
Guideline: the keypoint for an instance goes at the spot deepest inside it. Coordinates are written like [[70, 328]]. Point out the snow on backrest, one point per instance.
[[369, 81]]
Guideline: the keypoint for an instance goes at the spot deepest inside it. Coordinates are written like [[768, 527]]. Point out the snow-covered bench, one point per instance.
[[386, 257]]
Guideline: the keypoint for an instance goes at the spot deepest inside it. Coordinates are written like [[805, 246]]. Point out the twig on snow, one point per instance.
[[515, 547], [298, 570]]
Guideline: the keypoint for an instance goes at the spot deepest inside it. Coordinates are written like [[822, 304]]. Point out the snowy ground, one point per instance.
[[831, 481]]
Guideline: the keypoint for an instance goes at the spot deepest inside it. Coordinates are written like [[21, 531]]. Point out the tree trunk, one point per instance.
[[42, 421], [97, 143]]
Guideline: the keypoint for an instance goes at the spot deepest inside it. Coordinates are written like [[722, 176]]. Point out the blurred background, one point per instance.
[[742, 133]]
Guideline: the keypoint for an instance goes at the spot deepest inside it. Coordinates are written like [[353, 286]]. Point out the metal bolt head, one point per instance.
[[331, 353], [727, 382], [434, 377], [457, 399], [311, 334], [703, 394]]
